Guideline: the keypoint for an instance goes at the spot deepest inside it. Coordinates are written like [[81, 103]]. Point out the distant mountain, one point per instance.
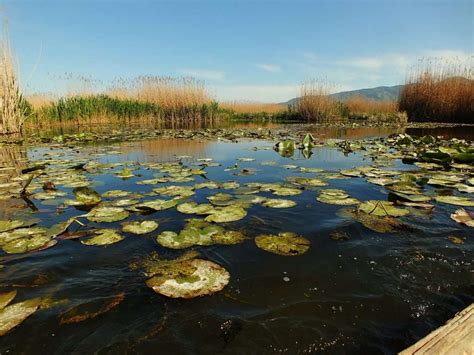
[[380, 93]]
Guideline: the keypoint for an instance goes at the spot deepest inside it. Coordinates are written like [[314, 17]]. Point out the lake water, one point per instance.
[[373, 293]]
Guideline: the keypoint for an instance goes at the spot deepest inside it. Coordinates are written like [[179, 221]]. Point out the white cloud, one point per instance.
[[204, 74], [260, 93], [271, 68]]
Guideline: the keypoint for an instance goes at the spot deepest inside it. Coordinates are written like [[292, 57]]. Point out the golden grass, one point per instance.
[[314, 103], [38, 101], [11, 110], [167, 92], [359, 104], [440, 92], [253, 107]]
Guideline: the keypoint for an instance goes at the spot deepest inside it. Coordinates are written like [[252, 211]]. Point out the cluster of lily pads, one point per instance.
[[442, 173]]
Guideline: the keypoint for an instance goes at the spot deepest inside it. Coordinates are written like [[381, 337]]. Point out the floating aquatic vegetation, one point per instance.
[[456, 240], [463, 217], [385, 224], [115, 193], [285, 191], [174, 190], [137, 227], [13, 315], [411, 198], [206, 185], [382, 208], [90, 310], [125, 173], [308, 141], [278, 203], [226, 214], [339, 236], [85, 196], [336, 197], [194, 208], [287, 243], [220, 199], [104, 237], [285, 148], [199, 232], [304, 181], [9, 225], [50, 195], [157, 205], [23, 240], [106, 214], [456, 200]]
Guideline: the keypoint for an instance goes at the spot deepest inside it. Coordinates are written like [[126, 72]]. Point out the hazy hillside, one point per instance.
[[381, 93]]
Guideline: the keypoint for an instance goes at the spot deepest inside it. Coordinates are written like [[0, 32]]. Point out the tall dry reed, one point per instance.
[[358, 104], [253, 107], [314, 103], [440, 92], [12, 109]]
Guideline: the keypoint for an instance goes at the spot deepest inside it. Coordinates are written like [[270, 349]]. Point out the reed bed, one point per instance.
[[145, 99], [439, 92], [315, 104], [359, 104], [12, 105]]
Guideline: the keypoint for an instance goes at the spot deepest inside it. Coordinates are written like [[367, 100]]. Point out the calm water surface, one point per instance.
[[374, 293]]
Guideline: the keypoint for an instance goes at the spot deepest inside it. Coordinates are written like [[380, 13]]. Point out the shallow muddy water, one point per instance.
[[368, 292]]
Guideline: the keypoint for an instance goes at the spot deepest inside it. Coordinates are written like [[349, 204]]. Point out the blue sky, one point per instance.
[[244, 50]]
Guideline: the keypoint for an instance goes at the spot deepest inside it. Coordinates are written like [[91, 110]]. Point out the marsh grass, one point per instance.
[[145, 99], [314, 103], [13, 108], [439, 92]]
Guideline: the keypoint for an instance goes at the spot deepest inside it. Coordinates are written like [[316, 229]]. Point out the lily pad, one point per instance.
[[288, 244], [28, 244], [9, 225], [336, 197], [143, 227], [382, 208], [157, 205], [194, 208], [13, 315], [6, 298], [86, 196], [189, 279], [463, 217], [104, 237], [456, 200], [226, 214], [107, 214], [278, 203]]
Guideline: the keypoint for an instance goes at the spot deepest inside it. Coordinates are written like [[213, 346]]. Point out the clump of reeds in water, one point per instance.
[[315, 104], [440, 92], [144, 99], [12, 105]]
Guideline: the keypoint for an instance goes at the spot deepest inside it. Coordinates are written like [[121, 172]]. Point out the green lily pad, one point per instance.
[[194, 208], [125, 173], [9, 225], [140, 227], [382, 208], [412, 198], [104, 237], [286, 191], [13, 315], [174, 190], [456, 200], [220, 199], [308, 141], [50, 195], [278, 203], [107, 214], [198, 232], [28, 244], [115, 193], [385, 224], [86, 196], [226, 214], [6, 298], [157, 205], [304, 181], [336, 197], [288, 244], [189, 279], [463, 217]]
